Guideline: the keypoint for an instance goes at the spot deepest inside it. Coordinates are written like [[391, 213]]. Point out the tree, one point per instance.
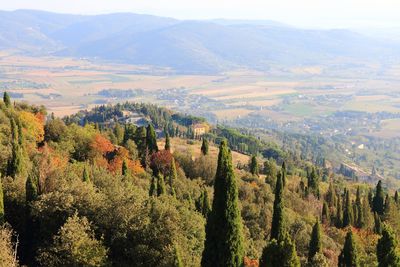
[[153, 187], [74, 245], [31, 188], [160, 185], [379, 199], [396, 197], [224, 239], [315, 242], [386, 249], [124, 169], [85, 175], [313, 182], [277, 228], [325, 217], [349, 255], [360, 212], [270, 170], [283, 171], [339, 214], [280, 253], [14, 165], [167, 142], [347, 211], [151, 139], [253, 165], [203, 204], [204, 147], [6, 99], [1, 204], [172, 174], [7, 251], [378, 224]]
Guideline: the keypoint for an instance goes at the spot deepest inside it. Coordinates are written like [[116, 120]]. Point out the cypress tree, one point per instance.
[[366, 212], [378, 224], [151, 139], [315, 242], [85, 175], [160, 185], [177, 258], [386, 249], [277, 228], [254, 165], [378, 200], [349, 256], [359, 208], [124, 169], [325, 217], [205, 204], [153, 187], [31, 190], [283, 171], [1, 203], [396, 197], [347, 211], [339, 218], [6, 99], [331, 195], [172, 174], [204, 147], [167, 142], [224, 240], [280, 253], [140, 140], [313, 182], [14, 165]]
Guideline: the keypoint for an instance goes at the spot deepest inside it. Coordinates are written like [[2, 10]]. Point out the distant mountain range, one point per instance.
[[186, 46]]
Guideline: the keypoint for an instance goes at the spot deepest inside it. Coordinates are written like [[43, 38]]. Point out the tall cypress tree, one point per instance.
[[360, 212], [1, 203], [386, 249], [315, 242], [153, 187], [172, 174], [280, 253], [224, 239], [6, 99], [160, 185], [349, 255], [396, 197], [167, 142], [313, 182], [347, 211], [325, 217], [379, 199], [14, 165], [377, 224], [283, 173], [254, 165], [204, 147], [339, 217], [151, 139], [31, 190], [277, 228]]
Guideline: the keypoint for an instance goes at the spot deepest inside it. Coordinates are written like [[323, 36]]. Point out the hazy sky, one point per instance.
[[302, 13]]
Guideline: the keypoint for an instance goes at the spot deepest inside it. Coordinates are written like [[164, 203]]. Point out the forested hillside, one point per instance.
[[92, 190]]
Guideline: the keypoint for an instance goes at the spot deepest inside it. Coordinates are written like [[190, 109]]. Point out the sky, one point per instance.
[[300, 13]]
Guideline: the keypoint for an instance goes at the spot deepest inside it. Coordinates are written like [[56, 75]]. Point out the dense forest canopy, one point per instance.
[[94, 190]]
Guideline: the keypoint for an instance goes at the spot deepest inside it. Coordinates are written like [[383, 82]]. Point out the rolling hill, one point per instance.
[[186, 46]]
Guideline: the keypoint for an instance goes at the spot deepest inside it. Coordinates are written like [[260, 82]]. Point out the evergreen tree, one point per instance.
[[315, 242], [347, 211], [153, 187], [349, 255], [378, 200], [204, 147], [205, 205], [151, 139], [177, 258], [366, 213], [14, 165], [359, 208], [396, 197], [280, 253], [173, 175], [386, 249], [140, 141], [339, 218], [31, 188], [124, 169], [283, 173], [277, 228], [224, 240], [325, 217], [167, 142], [313, 182], [160, 185], [6, 99], [254, 165], [85, 175], [378, 224], [331, 195], [1, 203]]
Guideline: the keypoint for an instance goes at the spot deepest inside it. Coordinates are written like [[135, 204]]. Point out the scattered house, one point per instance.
[[199, 129]]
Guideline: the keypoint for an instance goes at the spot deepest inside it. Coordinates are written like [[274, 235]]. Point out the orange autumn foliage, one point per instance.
[[250, 263], [33, 126], [101, 145]]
